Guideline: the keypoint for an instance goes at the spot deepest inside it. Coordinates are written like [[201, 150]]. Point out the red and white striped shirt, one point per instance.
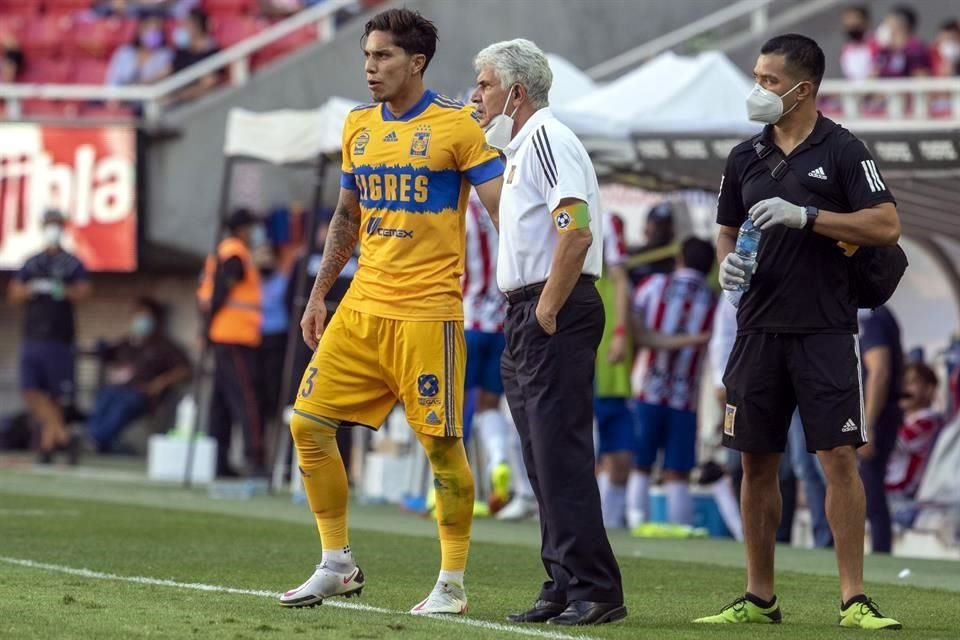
[[680, 303], [909, 457], [614, 241], [484, 305]]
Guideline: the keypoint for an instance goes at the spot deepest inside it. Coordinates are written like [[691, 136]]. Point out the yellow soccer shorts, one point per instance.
[[364, 364]]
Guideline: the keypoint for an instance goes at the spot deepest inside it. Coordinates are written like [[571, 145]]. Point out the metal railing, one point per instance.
[[152, 98], [761, 21], [910, 102]]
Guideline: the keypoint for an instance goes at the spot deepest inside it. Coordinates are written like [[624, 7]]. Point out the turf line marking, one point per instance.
[[339, 604]]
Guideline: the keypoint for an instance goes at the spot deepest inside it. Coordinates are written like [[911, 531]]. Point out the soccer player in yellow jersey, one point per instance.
[[409, 160]]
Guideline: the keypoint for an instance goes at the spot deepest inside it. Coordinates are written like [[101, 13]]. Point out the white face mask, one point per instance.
[[950, 50], [52, 234], [884, 35], [766, 106], [258, 236], [500, 130]]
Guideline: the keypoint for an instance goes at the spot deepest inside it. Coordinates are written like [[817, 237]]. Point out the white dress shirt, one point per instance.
[[546, 163]]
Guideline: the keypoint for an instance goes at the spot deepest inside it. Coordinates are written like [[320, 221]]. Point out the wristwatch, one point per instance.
[[812, 213]]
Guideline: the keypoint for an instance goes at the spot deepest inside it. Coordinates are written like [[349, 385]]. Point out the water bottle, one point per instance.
[[748, 242]]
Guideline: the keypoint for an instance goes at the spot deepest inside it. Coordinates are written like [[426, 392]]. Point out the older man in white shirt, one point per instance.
[[550, 254]]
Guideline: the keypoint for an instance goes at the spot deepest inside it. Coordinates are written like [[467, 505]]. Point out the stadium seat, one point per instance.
[[45, 35], [229, 30], [65, 7], [38, 108], [229, 7], [12, 25], [19, 7], [99, 38], [89, 71], [46, 71], [296, 40]]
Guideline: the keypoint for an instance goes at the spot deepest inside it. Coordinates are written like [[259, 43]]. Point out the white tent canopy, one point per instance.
[[287, 136], [669, 94], [569, 83]]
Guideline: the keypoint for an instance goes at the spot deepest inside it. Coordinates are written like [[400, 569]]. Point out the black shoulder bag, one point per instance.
[[875, 272]]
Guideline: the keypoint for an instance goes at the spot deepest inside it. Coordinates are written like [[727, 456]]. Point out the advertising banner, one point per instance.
[[87, 173]]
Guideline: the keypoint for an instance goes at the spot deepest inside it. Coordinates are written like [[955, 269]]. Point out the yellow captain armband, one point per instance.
[[570, 217]]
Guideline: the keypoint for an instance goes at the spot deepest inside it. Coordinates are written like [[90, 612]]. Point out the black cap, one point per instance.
[[53, 216], [240, 218]]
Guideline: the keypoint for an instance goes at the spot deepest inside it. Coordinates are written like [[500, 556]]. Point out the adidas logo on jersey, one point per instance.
[[391, 137], [818, 173], [433, 418], [849, 426]]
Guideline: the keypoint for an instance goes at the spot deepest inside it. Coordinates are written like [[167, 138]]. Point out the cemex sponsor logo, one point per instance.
[[374, 229]]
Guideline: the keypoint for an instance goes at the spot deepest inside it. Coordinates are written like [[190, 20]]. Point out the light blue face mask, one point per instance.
[[258, 236], [181, 37], [141, 326]]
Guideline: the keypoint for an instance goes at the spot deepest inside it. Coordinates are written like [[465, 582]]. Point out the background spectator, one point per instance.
[[856, 57], [659, 253], [916, 436], [882, 358], [11, 61], [945, 52], [138, 8], [194, 43], [274, 330], [900, 53], [140, 369], [146, 60], [48, 285]]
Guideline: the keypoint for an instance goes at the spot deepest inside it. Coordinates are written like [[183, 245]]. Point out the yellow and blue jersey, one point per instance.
[[412, 174]]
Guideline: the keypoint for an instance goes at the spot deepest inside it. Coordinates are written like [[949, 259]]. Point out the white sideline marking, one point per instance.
[[339, 604], [39, 512]]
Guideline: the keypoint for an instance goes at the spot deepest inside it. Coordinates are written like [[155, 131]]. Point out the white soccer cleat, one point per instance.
[[520, 508], [446, 597], [324, 583]]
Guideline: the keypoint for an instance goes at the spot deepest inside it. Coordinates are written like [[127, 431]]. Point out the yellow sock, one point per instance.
[[324, 476], [453, 482]]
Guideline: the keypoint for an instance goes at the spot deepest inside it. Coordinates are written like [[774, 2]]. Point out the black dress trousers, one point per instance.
[[548, 382]]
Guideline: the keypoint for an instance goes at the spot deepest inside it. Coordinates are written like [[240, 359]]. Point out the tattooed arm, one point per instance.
[[342, 238]]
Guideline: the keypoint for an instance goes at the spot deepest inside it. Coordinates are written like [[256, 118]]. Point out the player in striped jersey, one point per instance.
[[484, 308], [673, 315]]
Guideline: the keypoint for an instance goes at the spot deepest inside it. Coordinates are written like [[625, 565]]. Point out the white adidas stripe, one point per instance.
[[339, 604]]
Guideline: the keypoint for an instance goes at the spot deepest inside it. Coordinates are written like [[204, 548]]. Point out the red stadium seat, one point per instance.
[[99, 38], [37, 108], [229, 7], [296, 40], [45, 35], [46, 71], [61, 7], [19, 7], [229, 30], [14, 26], [89, 71]]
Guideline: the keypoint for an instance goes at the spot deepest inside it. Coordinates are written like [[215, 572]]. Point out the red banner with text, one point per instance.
[[87, 173]]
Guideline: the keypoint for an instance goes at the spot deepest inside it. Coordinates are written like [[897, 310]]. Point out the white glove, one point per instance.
[[771, 211], [732, 272]]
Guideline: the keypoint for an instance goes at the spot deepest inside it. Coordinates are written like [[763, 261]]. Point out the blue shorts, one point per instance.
[[672, 430], [615, 425], [48, 367], [483, 361]]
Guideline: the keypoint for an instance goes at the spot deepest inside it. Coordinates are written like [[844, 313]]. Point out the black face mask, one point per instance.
[[856, 35], [267, 271]]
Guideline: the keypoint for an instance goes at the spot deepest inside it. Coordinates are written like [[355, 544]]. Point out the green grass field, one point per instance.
[[161, 562]]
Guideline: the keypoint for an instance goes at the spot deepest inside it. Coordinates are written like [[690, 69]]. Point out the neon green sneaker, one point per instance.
[[500, 481], [742, 610], [864, 614]]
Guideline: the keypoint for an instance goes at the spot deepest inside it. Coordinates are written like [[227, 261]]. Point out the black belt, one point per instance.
[[531, 291]]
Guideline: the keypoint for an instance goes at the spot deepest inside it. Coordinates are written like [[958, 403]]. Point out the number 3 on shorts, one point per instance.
[[308, 383]]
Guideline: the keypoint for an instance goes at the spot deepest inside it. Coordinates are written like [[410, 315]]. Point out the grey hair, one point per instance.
[[519, 62]]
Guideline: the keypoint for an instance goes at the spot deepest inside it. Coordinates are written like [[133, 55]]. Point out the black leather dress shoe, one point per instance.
[[580, 612], [542, 611]]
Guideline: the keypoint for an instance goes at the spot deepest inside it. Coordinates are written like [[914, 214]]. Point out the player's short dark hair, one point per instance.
[[411, 31], [861, 9], [951, 24], [697, 254], [908, 14], [924, 372], [803, 55]]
